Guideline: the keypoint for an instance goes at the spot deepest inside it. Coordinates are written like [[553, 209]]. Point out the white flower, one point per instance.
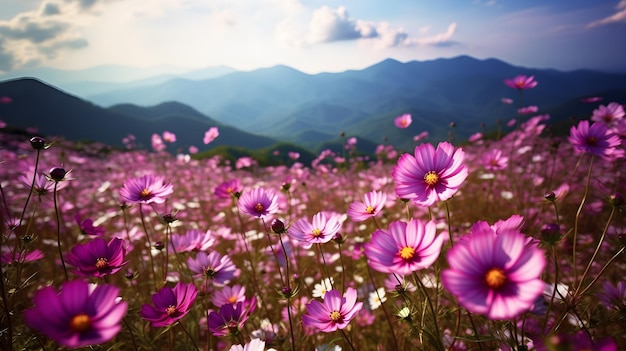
[[377, 298], [319, 290]]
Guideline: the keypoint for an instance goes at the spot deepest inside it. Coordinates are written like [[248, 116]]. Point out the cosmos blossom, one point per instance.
[[227, 189], [253, 345], [220, 269], [321, 230], [227, 294], [596, 139], [430, 175], [521, 82], [495, 271], [373, 202], [193, 239], [211, 135], [493, 160], [258, 203], [169, 304], [86, 226], [611, 115], [403, 121], [146, 189], [335, 312], [78, 315], [404, 248], [97, 258], [230, 318]]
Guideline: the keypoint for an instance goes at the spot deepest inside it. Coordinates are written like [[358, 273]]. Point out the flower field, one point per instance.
[[509, 242]]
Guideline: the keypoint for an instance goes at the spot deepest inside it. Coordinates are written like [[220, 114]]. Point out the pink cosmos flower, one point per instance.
[[403, 121], [253, 345], [193, 239], [493, 160], [97, 258], [526, 110], [373, 203], [507, 101], [334, 313], [321, 230], [258, 203], [146, 189], [611, 115], [230, 318], [169, 137], [420, 136], [293, 155], [521, 82], [157, 143], [17, 257], [193, 149], [431, 175], [475, 137], [220, 269], [405, 248], [86, 226], [77, 315], [596, 139], [495, 271], [227, 294], [227, 189], [169, 304], [210, 135], [613, 296]]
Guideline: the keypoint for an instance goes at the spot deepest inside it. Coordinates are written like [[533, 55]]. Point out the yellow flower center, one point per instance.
[[406, 252], [431, 178], [144, 193], [258, 207], [335, 316], [102, 263], [232, 299], [170, 310], [80, 323], [370, 210], [495, 278], [592, 140], [229, 190], [316, 233]]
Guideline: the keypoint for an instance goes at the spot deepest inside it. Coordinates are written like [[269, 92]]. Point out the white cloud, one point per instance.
[[619, 16]]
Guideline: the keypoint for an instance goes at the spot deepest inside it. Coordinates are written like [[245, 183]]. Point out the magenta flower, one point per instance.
[[97, 258], [212, 266], [526, 110], [227, 189], [258, 203], [146, 189], [169, 137], [157, 143], [334, 313], [373, 203], [611, 115], [20, 257], [613, 296], [431, 175], [211, 135], [86, 226], [170, 304], [495, 271], [596, 139], [231, 295], [403, 121], [78, 315], [193, 239], [405, 248], [493, 160], [231, 317], [321, 230], [521, 82]]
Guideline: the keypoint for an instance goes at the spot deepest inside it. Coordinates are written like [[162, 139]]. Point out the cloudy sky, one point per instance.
[[309, 35]]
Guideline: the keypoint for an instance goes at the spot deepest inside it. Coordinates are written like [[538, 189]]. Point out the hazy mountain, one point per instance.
[[56, 113], [290, 105]]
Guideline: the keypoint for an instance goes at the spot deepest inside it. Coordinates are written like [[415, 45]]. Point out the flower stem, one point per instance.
[[345, 336], [580, 208], [56, 210]]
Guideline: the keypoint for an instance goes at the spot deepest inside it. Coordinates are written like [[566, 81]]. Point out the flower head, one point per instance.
[[231, 318], [334, 313], [431, 174], [521, 82], [611, 114], [373, 203], [227, 294], [258, 202], [403, 121], [169, 304], [405, 248], [97, 258], [211, 135], [227, 189], [321, 230], [596, 139], [212, 266], [493, 160], [77, 315], [253, 345], [146, 189], [86, 226], [495, 271]]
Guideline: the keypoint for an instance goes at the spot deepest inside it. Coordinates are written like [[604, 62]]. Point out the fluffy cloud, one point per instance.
[[619, 16]]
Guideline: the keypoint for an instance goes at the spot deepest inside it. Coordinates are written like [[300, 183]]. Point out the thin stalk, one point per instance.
[[345, 336], [576, 219], [418, 281], [595, 253], [382, 305], [30, 193], [56, 210], [293, 338], [606, 265], [480, 345], [132, 335], [189, 335], [321, 253], [556, 281], [145, 229]]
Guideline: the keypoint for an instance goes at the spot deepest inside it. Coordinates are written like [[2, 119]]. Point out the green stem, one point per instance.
[[58, 217], [576, 220]]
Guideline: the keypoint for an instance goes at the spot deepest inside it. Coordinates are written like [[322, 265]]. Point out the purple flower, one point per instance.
[[521, 82], [97, 258], [405, 248], [334, 313], [373, 203], [20, 257], [230, 295], [170, 304], [321, 230], [213, 266], [193, 239], [227, 189], [493, 160], [403, 121], [146, 189], [231, 317], [258, 203], [430, 175], [613, 296], [495, 271], [86, 226], [78, 315], [611, 115], [596, 139]]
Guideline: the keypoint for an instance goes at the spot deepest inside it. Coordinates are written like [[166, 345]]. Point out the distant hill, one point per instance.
[[56, 113], [289, 105]]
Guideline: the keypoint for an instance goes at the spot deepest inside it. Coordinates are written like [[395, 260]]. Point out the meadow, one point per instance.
[[512, 241]]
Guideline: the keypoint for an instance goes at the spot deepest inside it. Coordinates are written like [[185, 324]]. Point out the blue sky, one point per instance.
[[309, 35]]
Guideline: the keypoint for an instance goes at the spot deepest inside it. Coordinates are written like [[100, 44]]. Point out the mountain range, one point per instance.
[[283, 104]]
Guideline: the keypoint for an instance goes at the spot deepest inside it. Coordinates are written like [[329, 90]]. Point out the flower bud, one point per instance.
[[159, 245], [38, 143], [278, 226], [550, 196], [616, 199], [57, 174], [551, 233]]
